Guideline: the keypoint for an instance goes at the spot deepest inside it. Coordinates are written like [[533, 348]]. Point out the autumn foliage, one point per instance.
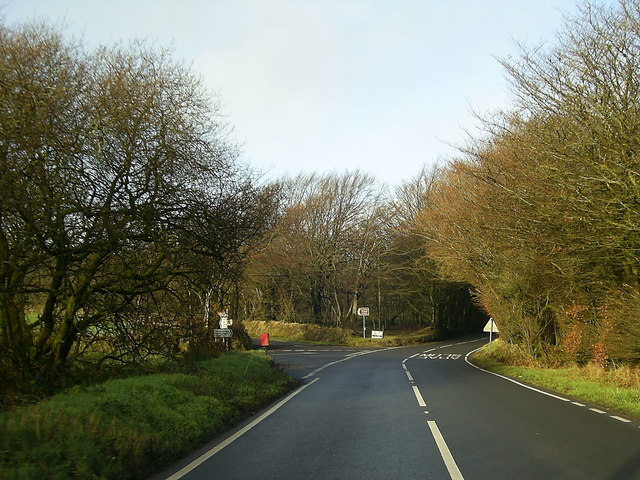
[[542, 213]]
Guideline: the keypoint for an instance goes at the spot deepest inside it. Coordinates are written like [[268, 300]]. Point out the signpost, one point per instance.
[[222, 333], [377, 334], [363, 312], [491, 327], [226, 323]]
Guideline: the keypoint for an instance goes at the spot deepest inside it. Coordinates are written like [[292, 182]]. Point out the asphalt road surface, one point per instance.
[[415, 413]]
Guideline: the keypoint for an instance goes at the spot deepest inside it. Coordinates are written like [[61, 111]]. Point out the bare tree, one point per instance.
[[113, 167], [324, 249]]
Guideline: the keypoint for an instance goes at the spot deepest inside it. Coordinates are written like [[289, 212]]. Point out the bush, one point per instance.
[[508, 354]]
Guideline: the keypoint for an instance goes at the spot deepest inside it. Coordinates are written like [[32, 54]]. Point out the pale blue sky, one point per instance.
[[330, 85]]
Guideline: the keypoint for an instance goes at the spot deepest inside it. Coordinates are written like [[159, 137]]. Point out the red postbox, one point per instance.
[[264, 340]]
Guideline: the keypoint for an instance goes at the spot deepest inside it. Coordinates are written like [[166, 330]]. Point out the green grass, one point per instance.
[[127, 428], [615, 388]]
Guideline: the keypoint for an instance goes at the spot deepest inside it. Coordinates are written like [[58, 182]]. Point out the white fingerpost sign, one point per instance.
[[222, 333]]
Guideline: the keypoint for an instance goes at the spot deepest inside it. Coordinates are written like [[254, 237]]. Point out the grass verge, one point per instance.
[[128, 428], [396, 339], [311, 333], [298, 332], [615, 388]]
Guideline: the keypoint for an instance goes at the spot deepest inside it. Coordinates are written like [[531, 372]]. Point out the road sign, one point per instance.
[[377, 334], [491, 326], [222, 333], [363, 312], [225, 323]]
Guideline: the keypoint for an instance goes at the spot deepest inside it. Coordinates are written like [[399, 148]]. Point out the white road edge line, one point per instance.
[[409, 375], [466, 359], [595, 410], [450, 463], [203, 458], [621, 419], [418, 395]]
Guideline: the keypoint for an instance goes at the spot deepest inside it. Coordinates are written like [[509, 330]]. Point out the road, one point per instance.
[[416, 413]]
